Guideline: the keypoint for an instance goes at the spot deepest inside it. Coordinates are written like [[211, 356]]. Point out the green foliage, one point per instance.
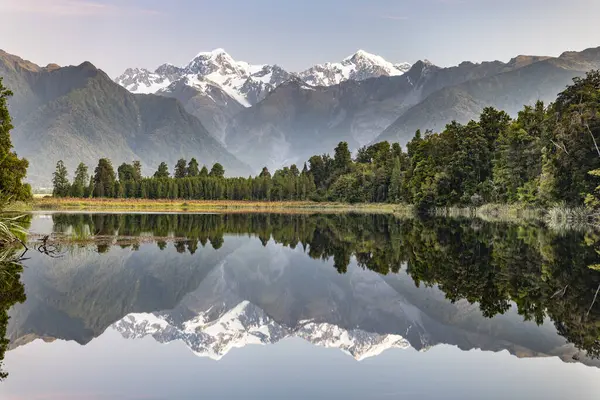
[[80, 182], [60, 180], [12, 168], [162, 171], [193, 168], [217, 171], [180, 169], [127, 172], [104, 179]]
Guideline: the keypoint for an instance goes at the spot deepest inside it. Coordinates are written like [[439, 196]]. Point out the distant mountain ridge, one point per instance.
[[261, 115], [526, 80], [295, 122], [249, 83], [214, 87], [78, 114]]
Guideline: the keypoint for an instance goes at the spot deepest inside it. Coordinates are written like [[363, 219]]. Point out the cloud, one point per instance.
[[70, 8]]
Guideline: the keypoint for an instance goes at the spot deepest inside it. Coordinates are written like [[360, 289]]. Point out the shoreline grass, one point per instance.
[[557, 217], [104, 204]]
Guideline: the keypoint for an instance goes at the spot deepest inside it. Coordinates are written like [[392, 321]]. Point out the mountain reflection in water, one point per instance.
[[359, 283]]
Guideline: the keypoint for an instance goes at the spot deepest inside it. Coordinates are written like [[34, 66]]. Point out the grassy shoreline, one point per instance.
[[93, 204], [559, 217]]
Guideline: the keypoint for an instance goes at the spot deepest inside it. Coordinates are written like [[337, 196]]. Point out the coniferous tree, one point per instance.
[[193, 168], [104, 179], [163, 171], [294, 171], [60, 180], [342, 158], [180, 169], [89, 191], [80, 181], [265, 173], [204, 172], [137, 167], [217, 171]]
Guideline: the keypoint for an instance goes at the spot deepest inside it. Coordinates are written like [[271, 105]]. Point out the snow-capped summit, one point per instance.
[[244, 82], [140, 80], [216, 61], [359, 66], [214, 336], [249, 83]]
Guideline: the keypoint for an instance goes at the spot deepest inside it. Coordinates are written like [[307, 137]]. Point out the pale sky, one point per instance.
[[116, 34]]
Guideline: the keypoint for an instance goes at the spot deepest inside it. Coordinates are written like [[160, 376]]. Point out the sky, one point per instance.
[[296, 34]]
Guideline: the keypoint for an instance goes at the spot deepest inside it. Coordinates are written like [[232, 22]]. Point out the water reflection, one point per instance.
[[360, 283]]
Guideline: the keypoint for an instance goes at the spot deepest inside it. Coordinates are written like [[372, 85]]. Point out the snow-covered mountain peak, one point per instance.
[[244, 82], [358, 66], [216, 61], [213, 334], [366, 57], [140, 80]]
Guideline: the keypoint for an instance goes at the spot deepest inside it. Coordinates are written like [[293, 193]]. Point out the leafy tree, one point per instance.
[[60, 180], [12, 168], [127, 172], [163, 171]]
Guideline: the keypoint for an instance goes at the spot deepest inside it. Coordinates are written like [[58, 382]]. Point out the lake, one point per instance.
[[272, 306]]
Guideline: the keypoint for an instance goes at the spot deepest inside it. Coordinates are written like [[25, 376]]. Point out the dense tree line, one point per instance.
[[547, 154], [188, 182]]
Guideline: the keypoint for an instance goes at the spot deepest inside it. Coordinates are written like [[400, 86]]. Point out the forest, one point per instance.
[[546, 155]]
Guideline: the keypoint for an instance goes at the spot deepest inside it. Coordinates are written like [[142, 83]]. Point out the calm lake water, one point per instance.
[[188, 306]]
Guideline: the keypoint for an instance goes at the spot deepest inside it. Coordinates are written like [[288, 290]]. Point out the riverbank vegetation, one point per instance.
[[12, 170], [547, 155], [180, 205]]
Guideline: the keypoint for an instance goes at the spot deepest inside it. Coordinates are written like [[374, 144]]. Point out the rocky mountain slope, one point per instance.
[[296, 120], [214, 87], [530, 80], [78, 114]]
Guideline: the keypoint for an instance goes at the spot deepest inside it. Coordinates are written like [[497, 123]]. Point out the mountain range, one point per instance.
[[78, 114], [248, 116]]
